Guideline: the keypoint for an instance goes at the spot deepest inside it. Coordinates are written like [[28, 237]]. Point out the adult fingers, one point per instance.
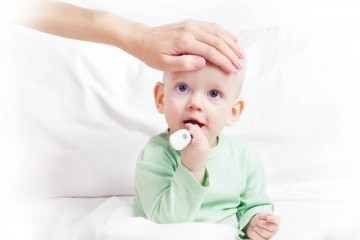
[[221, 46], [212, 55], [211, 42], [216, 30], [220, 33], [183, 63]]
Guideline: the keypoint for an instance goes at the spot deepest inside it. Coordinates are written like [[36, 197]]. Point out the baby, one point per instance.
[[213, 179]]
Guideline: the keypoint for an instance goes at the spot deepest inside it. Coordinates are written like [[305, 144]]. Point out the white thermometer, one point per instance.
[[180, 139]]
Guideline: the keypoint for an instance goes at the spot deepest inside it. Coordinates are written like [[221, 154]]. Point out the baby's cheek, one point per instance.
[[218, 122]]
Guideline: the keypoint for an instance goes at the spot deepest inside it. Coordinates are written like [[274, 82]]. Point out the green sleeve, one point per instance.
[[254, 200], [167, 192]]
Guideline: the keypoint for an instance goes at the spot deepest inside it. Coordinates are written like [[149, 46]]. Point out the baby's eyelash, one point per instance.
[[215, 94], [182, 87]]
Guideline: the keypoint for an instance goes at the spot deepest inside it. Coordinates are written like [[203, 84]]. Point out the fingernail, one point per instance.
[[240, 55], [232, 68], [199, 62], [238, 65]]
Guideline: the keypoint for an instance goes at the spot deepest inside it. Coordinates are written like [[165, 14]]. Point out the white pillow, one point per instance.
[[77, 114], [80, 115]]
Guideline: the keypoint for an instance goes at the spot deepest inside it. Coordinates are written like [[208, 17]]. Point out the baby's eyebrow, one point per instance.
[[180, 79], [177, 79], [217, 86]]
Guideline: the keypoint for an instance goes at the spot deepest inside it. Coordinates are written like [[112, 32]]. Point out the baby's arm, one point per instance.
[[254, 199], [194, 157], [165, 190], [263, 226]]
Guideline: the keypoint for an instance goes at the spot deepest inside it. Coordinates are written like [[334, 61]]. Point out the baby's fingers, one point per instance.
[[269, 226], [263, 232], [253, 235], [273, 219], [269, 217], [195, 131]]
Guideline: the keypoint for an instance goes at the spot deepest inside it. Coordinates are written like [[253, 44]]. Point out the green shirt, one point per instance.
[[233, 190]]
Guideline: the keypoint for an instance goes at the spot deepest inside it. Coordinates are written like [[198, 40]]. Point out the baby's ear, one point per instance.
[[236, 110], [159, 97]]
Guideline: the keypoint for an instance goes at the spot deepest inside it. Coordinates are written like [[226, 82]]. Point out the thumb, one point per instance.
[[264, 216], [184, 63]]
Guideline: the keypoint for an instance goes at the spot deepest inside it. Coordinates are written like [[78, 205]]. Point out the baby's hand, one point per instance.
[[194, 157], [263, 226]]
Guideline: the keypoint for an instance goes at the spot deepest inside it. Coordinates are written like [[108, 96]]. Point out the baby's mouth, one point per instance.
[[195, 122]]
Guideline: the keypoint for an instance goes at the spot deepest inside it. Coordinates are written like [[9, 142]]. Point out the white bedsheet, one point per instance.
[[112, 219]]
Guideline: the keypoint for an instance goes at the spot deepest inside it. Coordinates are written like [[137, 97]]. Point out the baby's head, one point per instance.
[[208, 97]]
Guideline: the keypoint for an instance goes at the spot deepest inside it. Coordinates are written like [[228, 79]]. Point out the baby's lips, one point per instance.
[[194, 122]]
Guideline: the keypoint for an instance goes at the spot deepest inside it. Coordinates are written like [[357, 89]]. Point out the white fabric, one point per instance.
[[112, 219], [98, 219], [74, 115]]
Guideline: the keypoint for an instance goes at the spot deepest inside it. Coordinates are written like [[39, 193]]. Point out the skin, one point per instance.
[[204, 102], [182, 46], [263, 226]]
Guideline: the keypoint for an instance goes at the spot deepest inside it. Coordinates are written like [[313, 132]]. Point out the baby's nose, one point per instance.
[[195, 103]]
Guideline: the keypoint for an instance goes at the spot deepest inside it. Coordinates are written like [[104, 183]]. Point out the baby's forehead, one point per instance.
[[210, 73]]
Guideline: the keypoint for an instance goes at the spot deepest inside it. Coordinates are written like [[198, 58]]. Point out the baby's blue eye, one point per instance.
[[182, 88], [214, 94]]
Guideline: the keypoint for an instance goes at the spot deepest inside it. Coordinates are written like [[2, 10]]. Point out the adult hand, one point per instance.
[[186, 45], [180, 46]]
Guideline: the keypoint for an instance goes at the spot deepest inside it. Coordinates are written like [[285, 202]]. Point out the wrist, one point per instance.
[[199, 175], [134, 41], [120, 32], [129, 35]]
